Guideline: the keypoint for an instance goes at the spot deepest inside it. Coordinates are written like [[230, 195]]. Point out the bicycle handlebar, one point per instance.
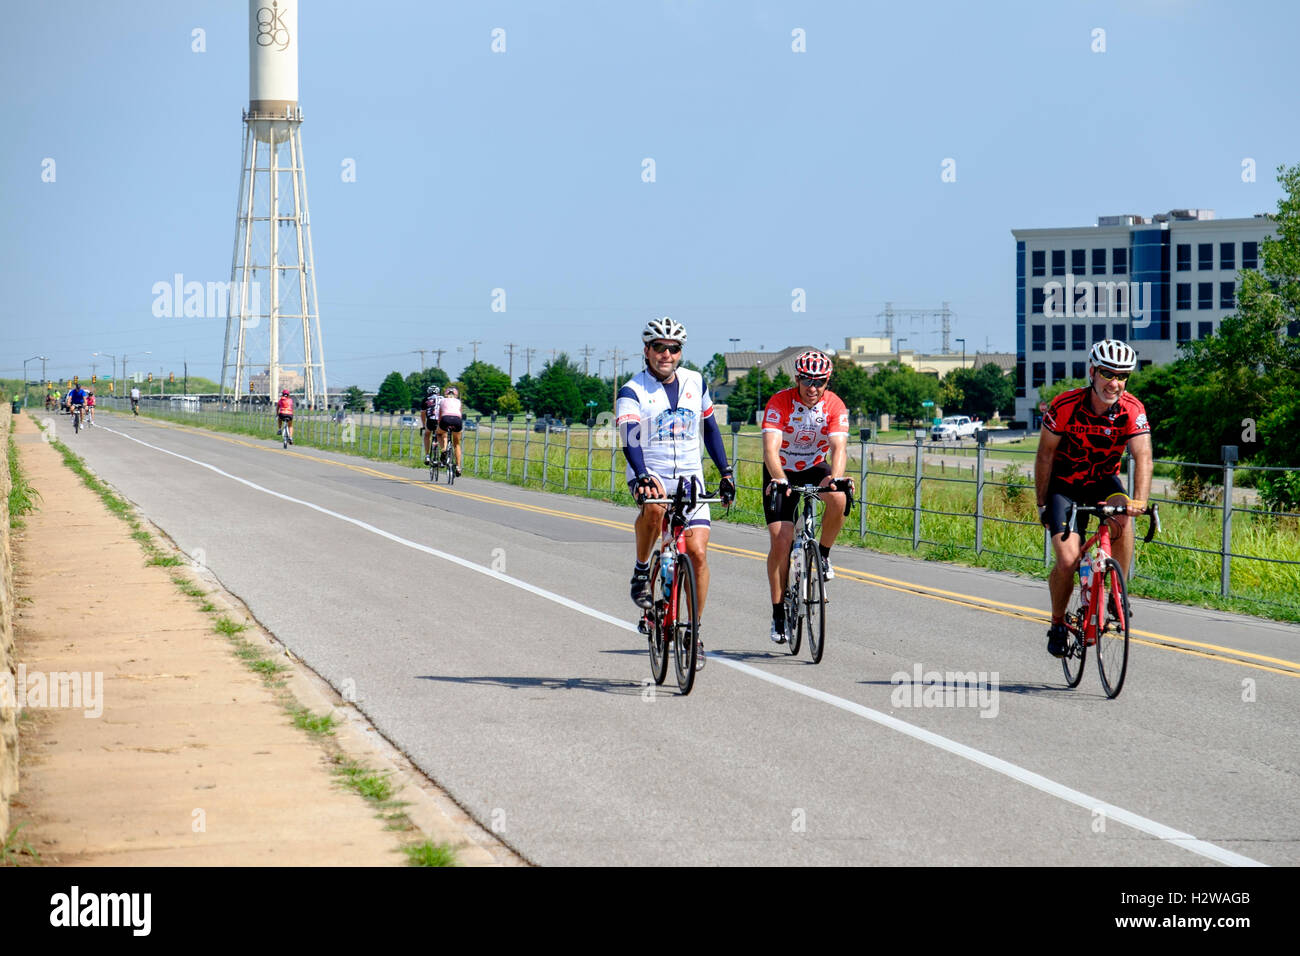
[[841, 485], [1112, 511]]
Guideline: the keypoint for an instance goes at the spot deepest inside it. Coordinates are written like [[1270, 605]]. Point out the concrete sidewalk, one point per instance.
[[184, 756]]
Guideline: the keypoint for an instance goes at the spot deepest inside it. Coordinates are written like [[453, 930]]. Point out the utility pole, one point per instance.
[[528, 361], [476, 343], [510, 350], [421, 351], [586, 359], [187, 377], [617, 358], [439, 353]]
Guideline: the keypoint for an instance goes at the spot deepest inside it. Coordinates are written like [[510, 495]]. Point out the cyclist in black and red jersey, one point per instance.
[[1085, 432]]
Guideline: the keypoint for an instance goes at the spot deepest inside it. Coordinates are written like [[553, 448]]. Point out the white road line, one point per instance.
[[1184, 840]]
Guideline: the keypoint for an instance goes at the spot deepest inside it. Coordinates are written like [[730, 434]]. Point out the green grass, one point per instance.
[[207, 607], [372, 785], [317, 725], [165, 561], [228, 627], [188, 587], [14, 848], [22, 496], [429, 853]]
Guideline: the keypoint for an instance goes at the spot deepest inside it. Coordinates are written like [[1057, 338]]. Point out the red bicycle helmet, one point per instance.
[[812, 364]]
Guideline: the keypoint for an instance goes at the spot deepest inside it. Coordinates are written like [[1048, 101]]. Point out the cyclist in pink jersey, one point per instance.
[[451, 421], [284, 413]]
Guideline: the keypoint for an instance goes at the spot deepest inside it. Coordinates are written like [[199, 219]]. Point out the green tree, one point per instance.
[[484, 385], [509, 404], [978, 392], [852, 383], [1048, 392], [557, 389], [393, 395], [900, 390], [526, 388], [417, 382], [715, 370], [753, 389], [354, 399]]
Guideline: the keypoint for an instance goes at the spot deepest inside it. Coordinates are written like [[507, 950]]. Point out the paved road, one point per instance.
[[487, 632]]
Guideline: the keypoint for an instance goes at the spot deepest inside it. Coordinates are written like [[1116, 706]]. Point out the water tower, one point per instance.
[[273, 335]]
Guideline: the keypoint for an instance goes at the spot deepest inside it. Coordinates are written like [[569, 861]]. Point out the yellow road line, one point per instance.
[[1181, 645]]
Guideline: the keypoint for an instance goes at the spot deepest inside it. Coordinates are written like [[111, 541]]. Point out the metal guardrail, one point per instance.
[[586, 458]]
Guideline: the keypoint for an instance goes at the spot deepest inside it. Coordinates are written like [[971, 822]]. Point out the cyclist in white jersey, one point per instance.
[[662, 413]]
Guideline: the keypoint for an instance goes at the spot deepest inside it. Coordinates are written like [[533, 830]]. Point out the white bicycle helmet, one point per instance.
[[665, 328], [1114, 355]]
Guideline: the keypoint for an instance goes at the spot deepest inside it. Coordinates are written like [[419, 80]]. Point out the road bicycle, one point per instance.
[[1102, 617], [673, 619], [283, 434], [76, 419], [805, 593]]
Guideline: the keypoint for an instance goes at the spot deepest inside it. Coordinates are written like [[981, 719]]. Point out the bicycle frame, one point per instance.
[[1093, 623]]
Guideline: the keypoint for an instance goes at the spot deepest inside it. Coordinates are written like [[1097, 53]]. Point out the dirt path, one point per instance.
[[184, 756]]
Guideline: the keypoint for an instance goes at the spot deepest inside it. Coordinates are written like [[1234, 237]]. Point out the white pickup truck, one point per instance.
[[954, 428]]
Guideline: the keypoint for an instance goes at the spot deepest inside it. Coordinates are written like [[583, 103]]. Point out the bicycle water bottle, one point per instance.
[[666, 572], [1085, 580]]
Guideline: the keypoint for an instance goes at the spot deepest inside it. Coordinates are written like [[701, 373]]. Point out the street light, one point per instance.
[[963, 352], [124, 358], [113, 357], [34, 358]]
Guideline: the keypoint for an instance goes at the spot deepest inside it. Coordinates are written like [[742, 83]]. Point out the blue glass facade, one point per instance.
[[1149, 252], [1020, 320]]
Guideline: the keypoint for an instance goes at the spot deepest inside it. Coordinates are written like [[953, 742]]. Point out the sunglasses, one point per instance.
[[813, 382], [659, 348], [1107, 373]]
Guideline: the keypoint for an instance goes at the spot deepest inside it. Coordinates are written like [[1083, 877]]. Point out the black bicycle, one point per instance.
[[805, 593], [76, 419]]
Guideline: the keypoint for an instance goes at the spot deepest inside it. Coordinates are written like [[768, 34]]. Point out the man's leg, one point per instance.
[[428, 437], [1121, 537], [697, 546], [780, 536], [833, 517]]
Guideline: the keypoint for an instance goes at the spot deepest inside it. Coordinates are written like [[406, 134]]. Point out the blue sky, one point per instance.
[[522, 170]]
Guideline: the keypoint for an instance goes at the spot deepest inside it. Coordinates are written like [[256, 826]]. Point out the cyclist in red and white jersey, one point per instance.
[[284, 413], [451, 421], [1085, 432], [805, 442]]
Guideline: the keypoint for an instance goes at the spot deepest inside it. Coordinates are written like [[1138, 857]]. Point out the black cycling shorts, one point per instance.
[[1060, 494], [785, 512], [282, 419], [451, 423]]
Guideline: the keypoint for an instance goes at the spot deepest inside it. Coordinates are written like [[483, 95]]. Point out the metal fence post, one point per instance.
[[981, 438], [611, 470], [510, 435], [492, 443], [567, 431], [546, 453], [523, 472], [590, 429], [916, 497], [1229, 453], [864, 435], [478, 424]]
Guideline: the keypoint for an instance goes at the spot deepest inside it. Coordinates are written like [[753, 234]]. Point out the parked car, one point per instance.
[[410, 421], [549, 423], [954, 428], [470, 425]]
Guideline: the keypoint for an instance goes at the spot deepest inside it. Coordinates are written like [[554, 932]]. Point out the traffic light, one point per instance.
[[94, 379], [110, 387], [250, 387], [151, 378], [171, 378]]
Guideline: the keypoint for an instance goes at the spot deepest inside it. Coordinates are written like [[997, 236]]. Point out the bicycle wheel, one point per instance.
[[1076, 651], [1112, 636], [814, 604], [76, 422], [451, 466], [794, 608], [654, 623], [685, 629], [284, 438]]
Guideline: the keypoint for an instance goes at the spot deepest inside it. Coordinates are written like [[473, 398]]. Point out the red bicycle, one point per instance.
[[673, 618], [1102, 618]]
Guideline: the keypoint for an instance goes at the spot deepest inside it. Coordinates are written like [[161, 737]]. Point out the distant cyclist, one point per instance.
[[805, 442], [135, 401], [284, 413], [1085, 432], [451, 421], [662, 413], [429, 417], [90, 407], [77, 401]]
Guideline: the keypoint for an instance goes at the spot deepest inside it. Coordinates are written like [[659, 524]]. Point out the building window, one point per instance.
[[1040, 375], [1184, 296], [1076, 371], [1058, 372], [1204, 330], [1226, 290], [1184, 257], [1228, 255], [1143, 363], [1205, 256], [1119, 331], [1040, 263], [1079, 262], [1205, 295], [1250, 255], [1038, 336], [1098, 262], [1078, 337], [1058, 338], [1036, 305], [1083, 302], [1098, 333], [1184, 332], [1119, 261], [1058, 262]]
